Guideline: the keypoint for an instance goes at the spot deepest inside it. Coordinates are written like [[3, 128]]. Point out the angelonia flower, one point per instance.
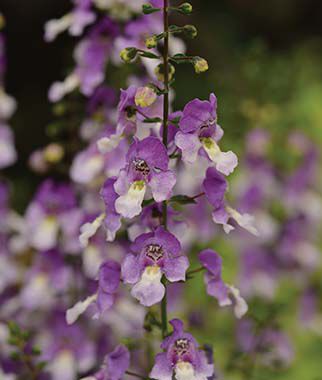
[[152, 255], [108, 284], [182, 358], [225, 294], [146, 167], [199, 132]]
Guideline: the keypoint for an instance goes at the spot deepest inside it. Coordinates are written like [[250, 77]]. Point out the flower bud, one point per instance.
[[190, 31], [159, 72], [151, 42], [53, 153], [148, 9], [186, 8], [128, 54], [200, 65], [145, 97]]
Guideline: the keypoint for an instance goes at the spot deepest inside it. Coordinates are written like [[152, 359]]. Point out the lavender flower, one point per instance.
[[225, 294], [152, 255], [181, 358], [215, 186], [199, 131], [147, 165], [108, 283]]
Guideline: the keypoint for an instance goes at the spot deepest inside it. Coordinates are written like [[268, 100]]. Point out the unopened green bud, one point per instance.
[[148, 9], [186, 8], [151, 42], [128, 54], [159, 72], [190, 31], [200, 65]]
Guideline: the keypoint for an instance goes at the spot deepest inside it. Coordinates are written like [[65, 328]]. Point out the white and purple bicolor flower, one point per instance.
[[108, 284], [147, 166], [215, 186], [199, 133], [226, 294], [181, 358], [115, 365], [130, 115], [152, 255]]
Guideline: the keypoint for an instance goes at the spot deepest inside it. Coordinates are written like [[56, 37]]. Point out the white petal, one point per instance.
[[44, 235], [149, 290], [57, 26], [184, 371], [245, 221], [89, 229], [130, 204], [107, 144], [79, 308], [240, 305]]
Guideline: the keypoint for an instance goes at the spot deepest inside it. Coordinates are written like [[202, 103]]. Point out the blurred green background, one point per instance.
[[266, 69]]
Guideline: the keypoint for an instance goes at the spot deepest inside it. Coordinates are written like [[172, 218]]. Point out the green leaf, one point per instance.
[[182, 199], [147, 54], [152, 120]]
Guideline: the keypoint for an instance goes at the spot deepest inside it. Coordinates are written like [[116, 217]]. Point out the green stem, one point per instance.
[[130, 373], [164, 316]]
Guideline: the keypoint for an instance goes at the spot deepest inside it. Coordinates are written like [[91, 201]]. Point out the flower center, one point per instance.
[[181, 346], [141, 166], [154, 252]]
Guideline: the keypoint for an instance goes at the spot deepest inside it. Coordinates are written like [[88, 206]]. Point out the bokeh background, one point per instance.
[[266, 69]]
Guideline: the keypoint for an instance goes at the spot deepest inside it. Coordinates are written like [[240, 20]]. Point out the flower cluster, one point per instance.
[[141, 190]]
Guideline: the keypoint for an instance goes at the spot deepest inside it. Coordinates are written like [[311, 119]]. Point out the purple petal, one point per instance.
[[215, 186], [162, 369], [211, 261], [175, 269], [170, 243], [151, 150], [189, 145], [109, 276], [131, 270], [117, 362], [162, 184]]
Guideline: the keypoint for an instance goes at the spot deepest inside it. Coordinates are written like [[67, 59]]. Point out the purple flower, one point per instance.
[[152, 255], [199, 132], [216, 287], [129, 117], [8, 154], [115, 365], [108, 283], [215, 186], [181, 357], [147, 165]]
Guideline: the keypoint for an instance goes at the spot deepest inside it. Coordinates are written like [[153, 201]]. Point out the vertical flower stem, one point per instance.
[[164, 317]]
